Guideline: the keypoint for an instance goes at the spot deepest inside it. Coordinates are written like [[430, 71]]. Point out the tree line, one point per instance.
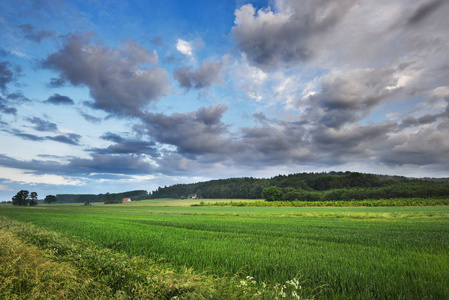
[[25, 198], [107, 197], [332, 186]]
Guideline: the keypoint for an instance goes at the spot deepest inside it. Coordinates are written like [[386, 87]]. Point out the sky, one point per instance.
[[111, 96]]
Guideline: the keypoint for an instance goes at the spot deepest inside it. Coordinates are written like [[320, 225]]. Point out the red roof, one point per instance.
[[126, 199]]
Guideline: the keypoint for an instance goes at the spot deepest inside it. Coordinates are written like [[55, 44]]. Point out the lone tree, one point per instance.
[[33, 200], [272, 193], [50, 198]]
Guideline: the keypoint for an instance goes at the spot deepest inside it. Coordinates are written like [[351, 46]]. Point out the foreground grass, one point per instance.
[[356, 252], [50, 266]]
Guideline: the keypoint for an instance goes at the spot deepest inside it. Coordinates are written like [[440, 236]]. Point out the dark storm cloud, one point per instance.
[[206, 75], [271, 39], [126, 146], [42, 125], [424, 11], [59, 100], [120, 80], [31, 33], [196, 132]]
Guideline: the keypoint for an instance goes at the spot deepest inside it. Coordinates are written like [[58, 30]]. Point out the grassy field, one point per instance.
[[334, 252]]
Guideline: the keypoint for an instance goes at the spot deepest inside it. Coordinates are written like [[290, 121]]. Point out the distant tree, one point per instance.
[[21, 198], [33, 200], [50, 198], [272, 193]]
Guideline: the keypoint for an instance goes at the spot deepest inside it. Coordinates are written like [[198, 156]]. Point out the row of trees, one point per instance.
[[107, 197], [25, 198], [412, 189], [312, 187]]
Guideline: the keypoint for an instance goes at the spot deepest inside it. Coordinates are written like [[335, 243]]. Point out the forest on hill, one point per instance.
[[332, 186]]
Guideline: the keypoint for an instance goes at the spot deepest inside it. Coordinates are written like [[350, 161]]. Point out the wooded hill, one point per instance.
[[330, 186]]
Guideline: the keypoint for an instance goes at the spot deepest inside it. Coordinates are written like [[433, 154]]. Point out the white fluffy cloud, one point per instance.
[[184, 47]]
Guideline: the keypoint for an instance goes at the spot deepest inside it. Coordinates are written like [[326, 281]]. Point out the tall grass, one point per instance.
[[50, 266], [365, 253]]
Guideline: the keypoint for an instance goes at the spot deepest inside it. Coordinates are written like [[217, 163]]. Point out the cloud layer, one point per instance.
[[300, 85]]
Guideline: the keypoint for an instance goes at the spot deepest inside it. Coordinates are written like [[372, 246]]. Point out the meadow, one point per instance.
[[246, 251]]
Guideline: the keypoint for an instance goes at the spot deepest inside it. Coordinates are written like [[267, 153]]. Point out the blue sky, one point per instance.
[[109, 96]]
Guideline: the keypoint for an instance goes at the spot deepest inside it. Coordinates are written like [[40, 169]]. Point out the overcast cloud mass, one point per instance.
[[99, 97]]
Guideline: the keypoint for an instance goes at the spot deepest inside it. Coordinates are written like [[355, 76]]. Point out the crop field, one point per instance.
[[240, 252]]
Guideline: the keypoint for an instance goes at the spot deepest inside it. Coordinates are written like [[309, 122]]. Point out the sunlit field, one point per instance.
[[329, 252]]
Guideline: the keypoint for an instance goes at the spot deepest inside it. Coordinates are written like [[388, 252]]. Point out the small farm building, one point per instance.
[[192, 196], [126, 200]]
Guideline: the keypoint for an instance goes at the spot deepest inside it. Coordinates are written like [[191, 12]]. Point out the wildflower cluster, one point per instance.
[[291, 289]]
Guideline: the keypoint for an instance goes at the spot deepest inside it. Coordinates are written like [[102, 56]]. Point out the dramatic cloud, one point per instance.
[[349, 96], [310, 85], [424, 147], [42, 125], [282, 142], [197, 132], [36, 35], [270, 39], [206, 75], [349, 143], [59, 100], [119, 80], [330, 34], [126, 146]]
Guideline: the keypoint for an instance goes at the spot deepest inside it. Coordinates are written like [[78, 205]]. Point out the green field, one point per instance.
[[337, 252]]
